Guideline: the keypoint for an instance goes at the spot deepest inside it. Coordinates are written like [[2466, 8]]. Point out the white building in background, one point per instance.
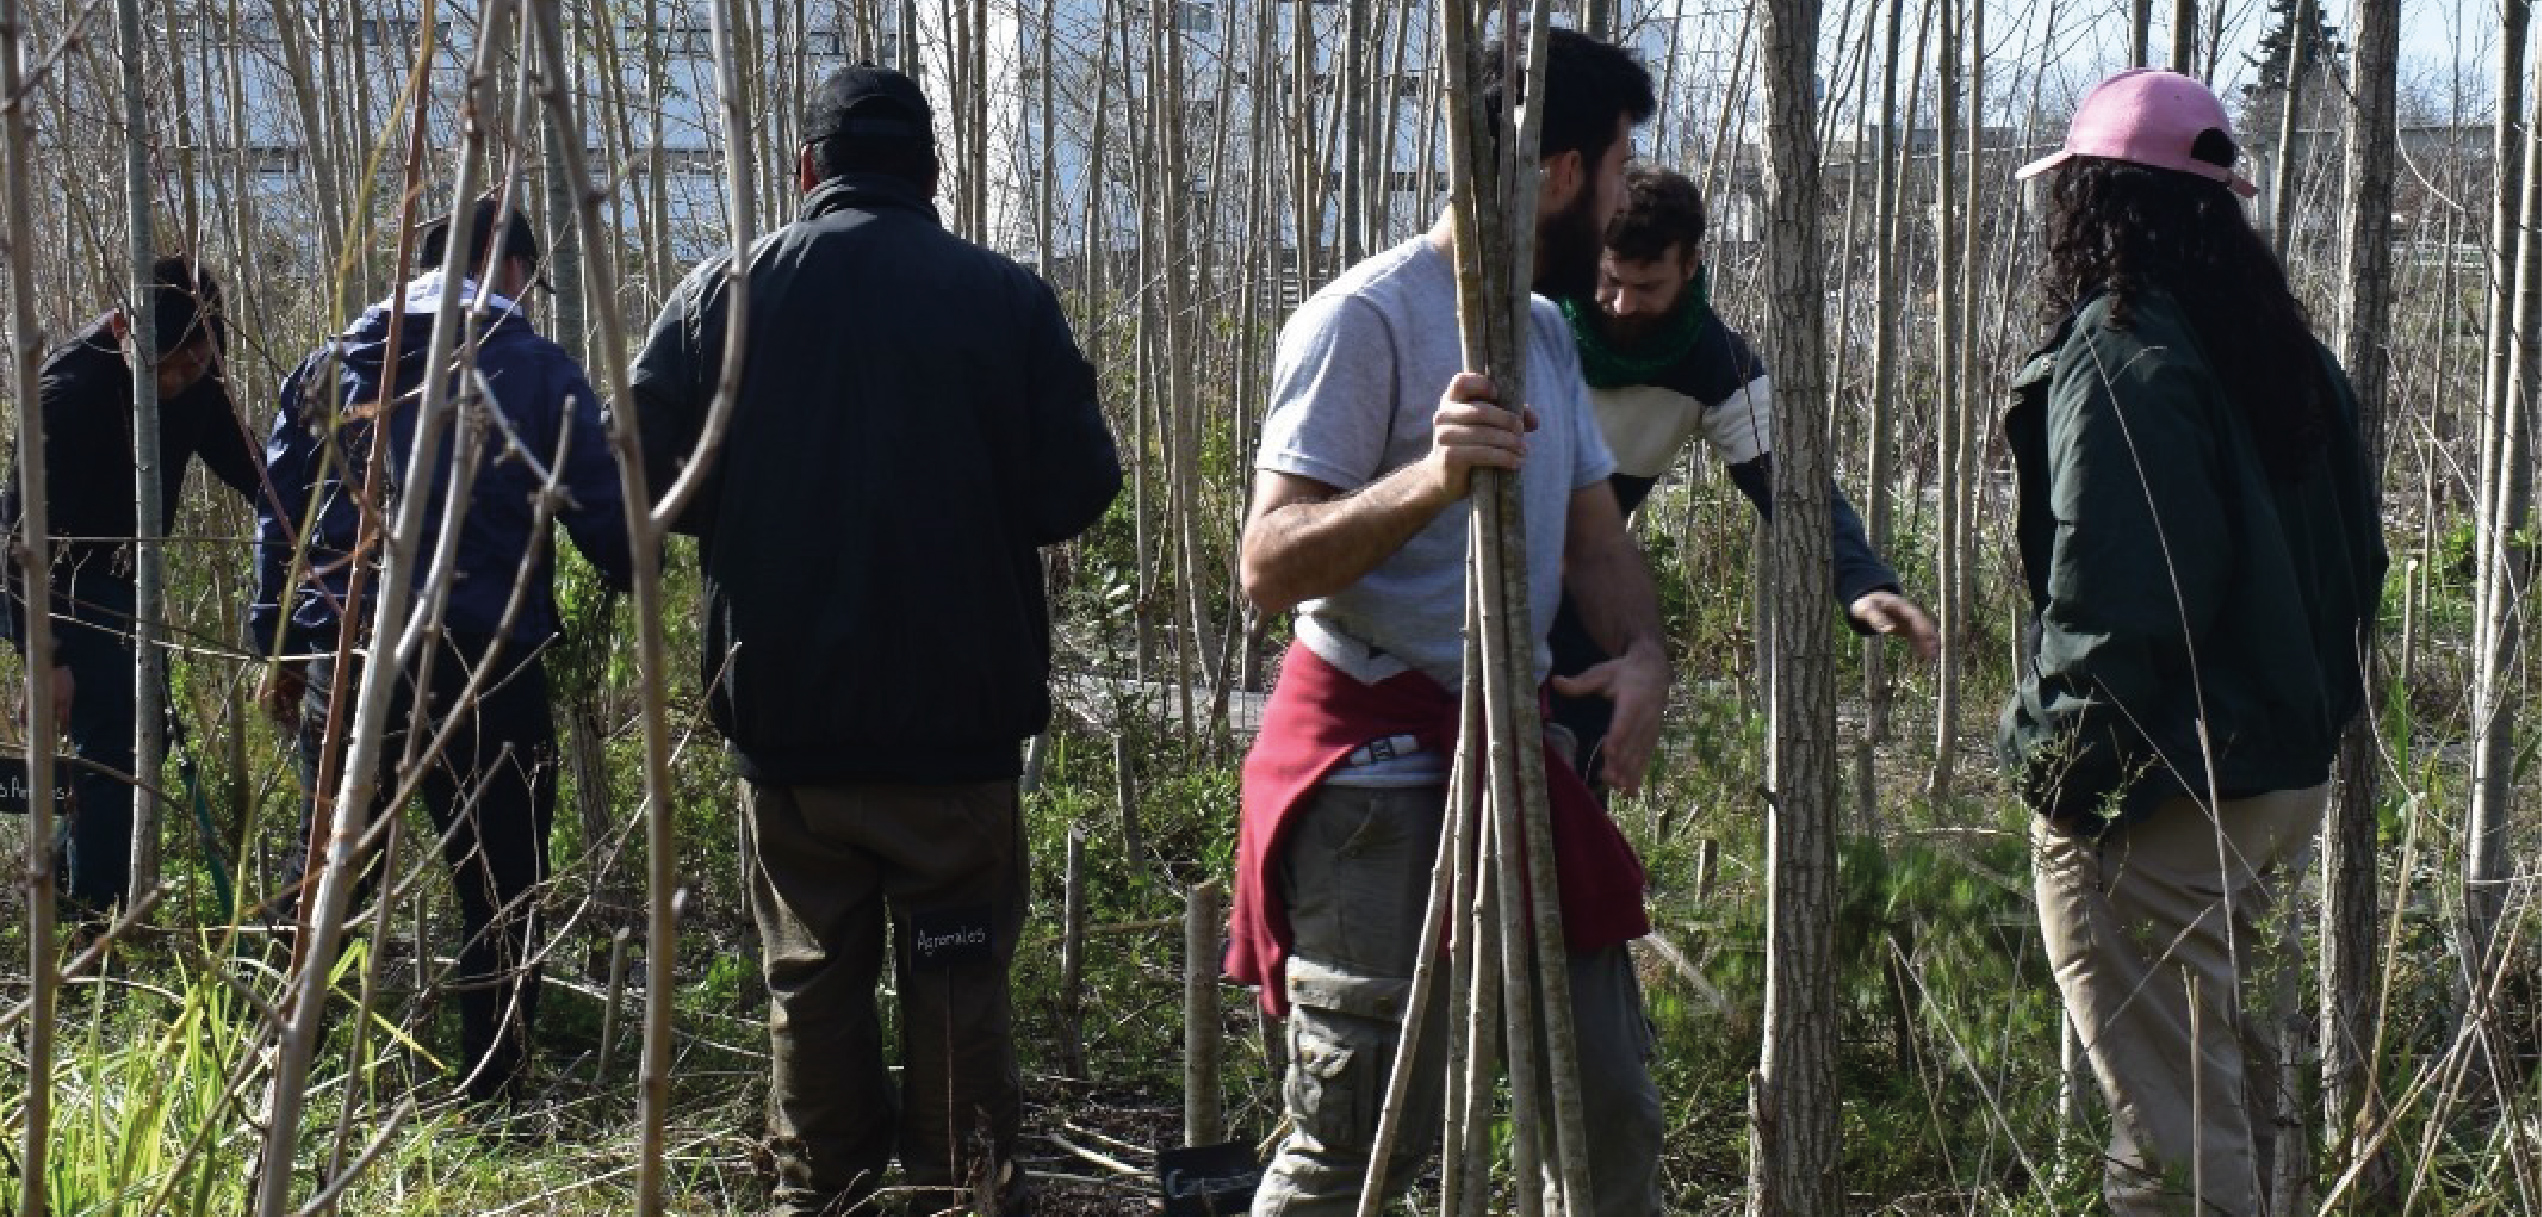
[[1223, 88], [648, 91]]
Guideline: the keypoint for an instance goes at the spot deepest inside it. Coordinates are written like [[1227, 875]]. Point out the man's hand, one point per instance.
[[1305, 539], [1637, 682], [1469, 432], [1891, 613], [63, 687], [284, 685]]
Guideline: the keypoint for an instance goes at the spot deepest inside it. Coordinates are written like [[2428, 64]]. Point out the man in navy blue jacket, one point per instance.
[[492, 789]]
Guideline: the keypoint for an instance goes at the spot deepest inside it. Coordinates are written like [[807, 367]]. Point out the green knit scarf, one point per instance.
[[1609, 368]]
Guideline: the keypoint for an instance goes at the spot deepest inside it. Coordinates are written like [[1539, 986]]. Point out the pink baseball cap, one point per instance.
[[2146, 116]]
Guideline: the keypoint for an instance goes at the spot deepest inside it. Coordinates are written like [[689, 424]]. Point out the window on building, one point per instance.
[[695, 41], [1195, 16], [400, 31]]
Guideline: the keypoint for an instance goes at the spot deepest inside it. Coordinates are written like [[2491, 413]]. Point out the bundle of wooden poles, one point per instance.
[[1493, 896]]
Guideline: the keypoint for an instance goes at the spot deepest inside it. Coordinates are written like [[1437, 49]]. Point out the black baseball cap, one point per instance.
[[864, 101], [518, 240]]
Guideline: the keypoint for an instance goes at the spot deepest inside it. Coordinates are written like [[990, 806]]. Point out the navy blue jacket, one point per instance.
[[914, 423], [322, 440]]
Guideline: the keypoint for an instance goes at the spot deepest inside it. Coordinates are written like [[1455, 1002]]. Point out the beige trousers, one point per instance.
[[2164, 917]]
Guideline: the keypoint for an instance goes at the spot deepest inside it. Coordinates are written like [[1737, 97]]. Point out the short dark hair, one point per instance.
[[519, 241], [185, 305], [912, 160], [1661, 209], [1588, 85]]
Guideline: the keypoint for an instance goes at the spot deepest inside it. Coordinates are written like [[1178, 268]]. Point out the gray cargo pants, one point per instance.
[[945, 867], [1355, 876]]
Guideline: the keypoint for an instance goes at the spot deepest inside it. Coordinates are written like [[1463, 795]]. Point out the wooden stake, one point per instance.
[[1202, 1032]]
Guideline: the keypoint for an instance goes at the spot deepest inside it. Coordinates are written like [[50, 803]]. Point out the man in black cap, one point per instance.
[[86, 396], [914, 422], [492, 789]]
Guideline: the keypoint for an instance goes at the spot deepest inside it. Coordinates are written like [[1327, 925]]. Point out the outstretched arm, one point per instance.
[[1604, 572], [1874, 601]]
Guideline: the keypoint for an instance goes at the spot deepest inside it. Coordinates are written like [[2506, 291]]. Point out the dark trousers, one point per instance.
[[492, 796], [943, 867], [95, 643], [1586, 718]]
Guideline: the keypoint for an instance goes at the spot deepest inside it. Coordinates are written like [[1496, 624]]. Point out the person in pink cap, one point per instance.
[[2198, 532]]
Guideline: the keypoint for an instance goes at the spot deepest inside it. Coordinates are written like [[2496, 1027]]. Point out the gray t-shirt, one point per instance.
[[1360, 370]]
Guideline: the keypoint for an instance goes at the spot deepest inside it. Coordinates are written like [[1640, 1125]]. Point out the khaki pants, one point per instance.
[[2132, 923], [945, 866], [1355, 874]]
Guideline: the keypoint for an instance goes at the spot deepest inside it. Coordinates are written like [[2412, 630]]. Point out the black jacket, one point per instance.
[[914, 423], [85, 390], [2189, 607]]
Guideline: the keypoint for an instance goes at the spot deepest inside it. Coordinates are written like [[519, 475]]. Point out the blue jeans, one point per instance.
[[95, 643], [1355, 876]]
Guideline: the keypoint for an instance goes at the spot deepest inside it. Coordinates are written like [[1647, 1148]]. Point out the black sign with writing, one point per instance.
[[16, 789], [950, 938], [1207, 1180]]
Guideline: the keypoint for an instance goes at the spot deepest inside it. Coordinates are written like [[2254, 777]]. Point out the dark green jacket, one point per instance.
[[2174, 584]]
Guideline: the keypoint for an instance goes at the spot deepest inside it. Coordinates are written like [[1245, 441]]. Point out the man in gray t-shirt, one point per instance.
[[1359, 522], [1353, 388]]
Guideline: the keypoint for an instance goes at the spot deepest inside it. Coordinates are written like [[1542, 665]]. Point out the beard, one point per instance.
[[1567, 247], [1630, 331]]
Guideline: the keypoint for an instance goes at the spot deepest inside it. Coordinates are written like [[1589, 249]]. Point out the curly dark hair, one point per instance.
[[1661, 208], [2123, 230]]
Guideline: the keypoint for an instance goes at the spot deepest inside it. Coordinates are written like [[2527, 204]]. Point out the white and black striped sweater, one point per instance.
[[1722, 391]]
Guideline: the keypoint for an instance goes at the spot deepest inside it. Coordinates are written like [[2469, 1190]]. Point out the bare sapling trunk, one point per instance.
[[1792, 1141], [304, 1010], [2506, 153], [2503, 576], [2350, 917], [1880, 437], [149, 557], [1949, 403], [648, 519], [2283, 177], [32, 551]]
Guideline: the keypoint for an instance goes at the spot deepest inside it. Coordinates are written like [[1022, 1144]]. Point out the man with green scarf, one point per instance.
[[1661, 369]]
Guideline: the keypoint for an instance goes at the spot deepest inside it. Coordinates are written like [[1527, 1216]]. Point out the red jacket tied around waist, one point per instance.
[[1317, 715]]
